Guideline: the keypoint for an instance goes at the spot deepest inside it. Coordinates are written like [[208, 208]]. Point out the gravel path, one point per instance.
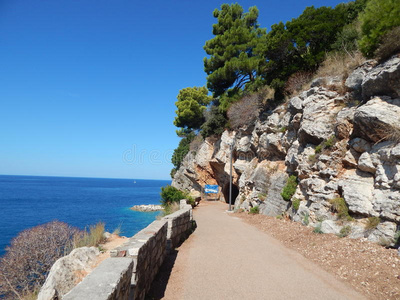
[[226, 258]]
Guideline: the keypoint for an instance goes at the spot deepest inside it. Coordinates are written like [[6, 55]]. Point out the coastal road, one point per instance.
[[225, 258]]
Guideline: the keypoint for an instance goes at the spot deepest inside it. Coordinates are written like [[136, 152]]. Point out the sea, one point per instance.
[[27, 201]]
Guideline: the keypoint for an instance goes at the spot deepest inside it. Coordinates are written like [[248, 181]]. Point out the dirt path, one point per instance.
[[226, 258]]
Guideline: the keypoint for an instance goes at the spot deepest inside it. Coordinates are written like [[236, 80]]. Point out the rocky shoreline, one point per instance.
[[147, 207]]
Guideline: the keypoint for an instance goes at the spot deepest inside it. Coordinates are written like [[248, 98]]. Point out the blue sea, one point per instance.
[[27, 201]]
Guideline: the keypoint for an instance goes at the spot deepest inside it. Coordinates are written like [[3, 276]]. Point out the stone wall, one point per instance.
[[131, 269]]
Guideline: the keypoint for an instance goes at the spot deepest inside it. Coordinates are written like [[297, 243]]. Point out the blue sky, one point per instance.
[[87, 88]]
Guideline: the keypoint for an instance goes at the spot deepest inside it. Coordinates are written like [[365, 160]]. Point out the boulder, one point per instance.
[[357, 189], [63, 274], [365, 163], [356, 78], [295, 105], [384, 234], [384, 79], [360, 145], [376, 120], [274, 204]]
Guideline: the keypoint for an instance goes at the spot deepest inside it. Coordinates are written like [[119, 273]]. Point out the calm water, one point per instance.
[[27, 201]]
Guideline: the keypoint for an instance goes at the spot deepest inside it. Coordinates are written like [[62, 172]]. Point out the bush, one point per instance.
[[340, 206], [378, 18], [30, 256], [390, 44], [215, 122], [254, 210], [296, 203], [372, 223], [170, 194], [290, 188], [245, 111], [183, 149], [296, 81], [345, 231]]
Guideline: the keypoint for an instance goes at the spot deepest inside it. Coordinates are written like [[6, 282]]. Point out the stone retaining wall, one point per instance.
[[131, 269]]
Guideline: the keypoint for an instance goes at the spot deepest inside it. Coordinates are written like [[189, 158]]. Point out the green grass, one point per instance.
[[254, 210], [372, 223], [340, 206], [317, 229]]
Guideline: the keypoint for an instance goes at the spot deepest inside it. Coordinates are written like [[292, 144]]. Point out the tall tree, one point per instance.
[[191, 104], [232, 62]]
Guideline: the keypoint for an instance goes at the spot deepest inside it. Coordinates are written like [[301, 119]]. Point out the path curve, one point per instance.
[[225, 258]]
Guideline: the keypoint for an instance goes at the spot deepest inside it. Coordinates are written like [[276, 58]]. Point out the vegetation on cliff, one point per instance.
[[245, 59]]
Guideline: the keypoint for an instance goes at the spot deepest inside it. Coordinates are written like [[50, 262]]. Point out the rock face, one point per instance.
[[334, 150], [64, 274], [147, 207]]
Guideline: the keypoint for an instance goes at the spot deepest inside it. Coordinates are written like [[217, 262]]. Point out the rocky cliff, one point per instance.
[[340, 138]]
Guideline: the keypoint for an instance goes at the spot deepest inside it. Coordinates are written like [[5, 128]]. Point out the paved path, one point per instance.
[[225, 258]]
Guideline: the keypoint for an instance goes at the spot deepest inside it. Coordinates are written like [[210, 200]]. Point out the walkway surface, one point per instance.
[[226, 258]]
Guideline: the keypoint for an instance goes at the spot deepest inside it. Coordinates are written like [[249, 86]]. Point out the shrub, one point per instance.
[[345, 231], [317, 229], [290, 188], [28, 259], [215, 122], [245, 111], [390, 44], [170, 194], [340, 206], [372, 223], [182, 149], [196, 143], [296, 203], [377, 19], [254, 210], [346, 40], [318, 149], [296, 81]]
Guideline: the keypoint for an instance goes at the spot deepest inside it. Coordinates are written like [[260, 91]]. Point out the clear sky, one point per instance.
[[87, 88]]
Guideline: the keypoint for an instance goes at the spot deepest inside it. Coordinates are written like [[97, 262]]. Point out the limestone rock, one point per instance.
[[358, 188], [270, 146], [387, 204], [274, 204], [356, 78], [329, 226], [350, 159], [360, 145], [295, 105], [63, 274], [384, 79], [376, 120], [384, 234], [365, 163]]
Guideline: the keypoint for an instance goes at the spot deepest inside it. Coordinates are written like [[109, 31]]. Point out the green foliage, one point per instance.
[[397, 237], [372, 223], [279, 217], [191, 104], [340, 206], [296, 203], [345, 231], [183, 149], [318, 149], [317, 229], [346, 40], [290, 188], [215, 123], [170, 194], [254, 210], [232, 62], [377, 19]]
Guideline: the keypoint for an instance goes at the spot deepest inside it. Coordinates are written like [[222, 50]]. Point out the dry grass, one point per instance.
[[339, 64], [91, 238], [196, 143]]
